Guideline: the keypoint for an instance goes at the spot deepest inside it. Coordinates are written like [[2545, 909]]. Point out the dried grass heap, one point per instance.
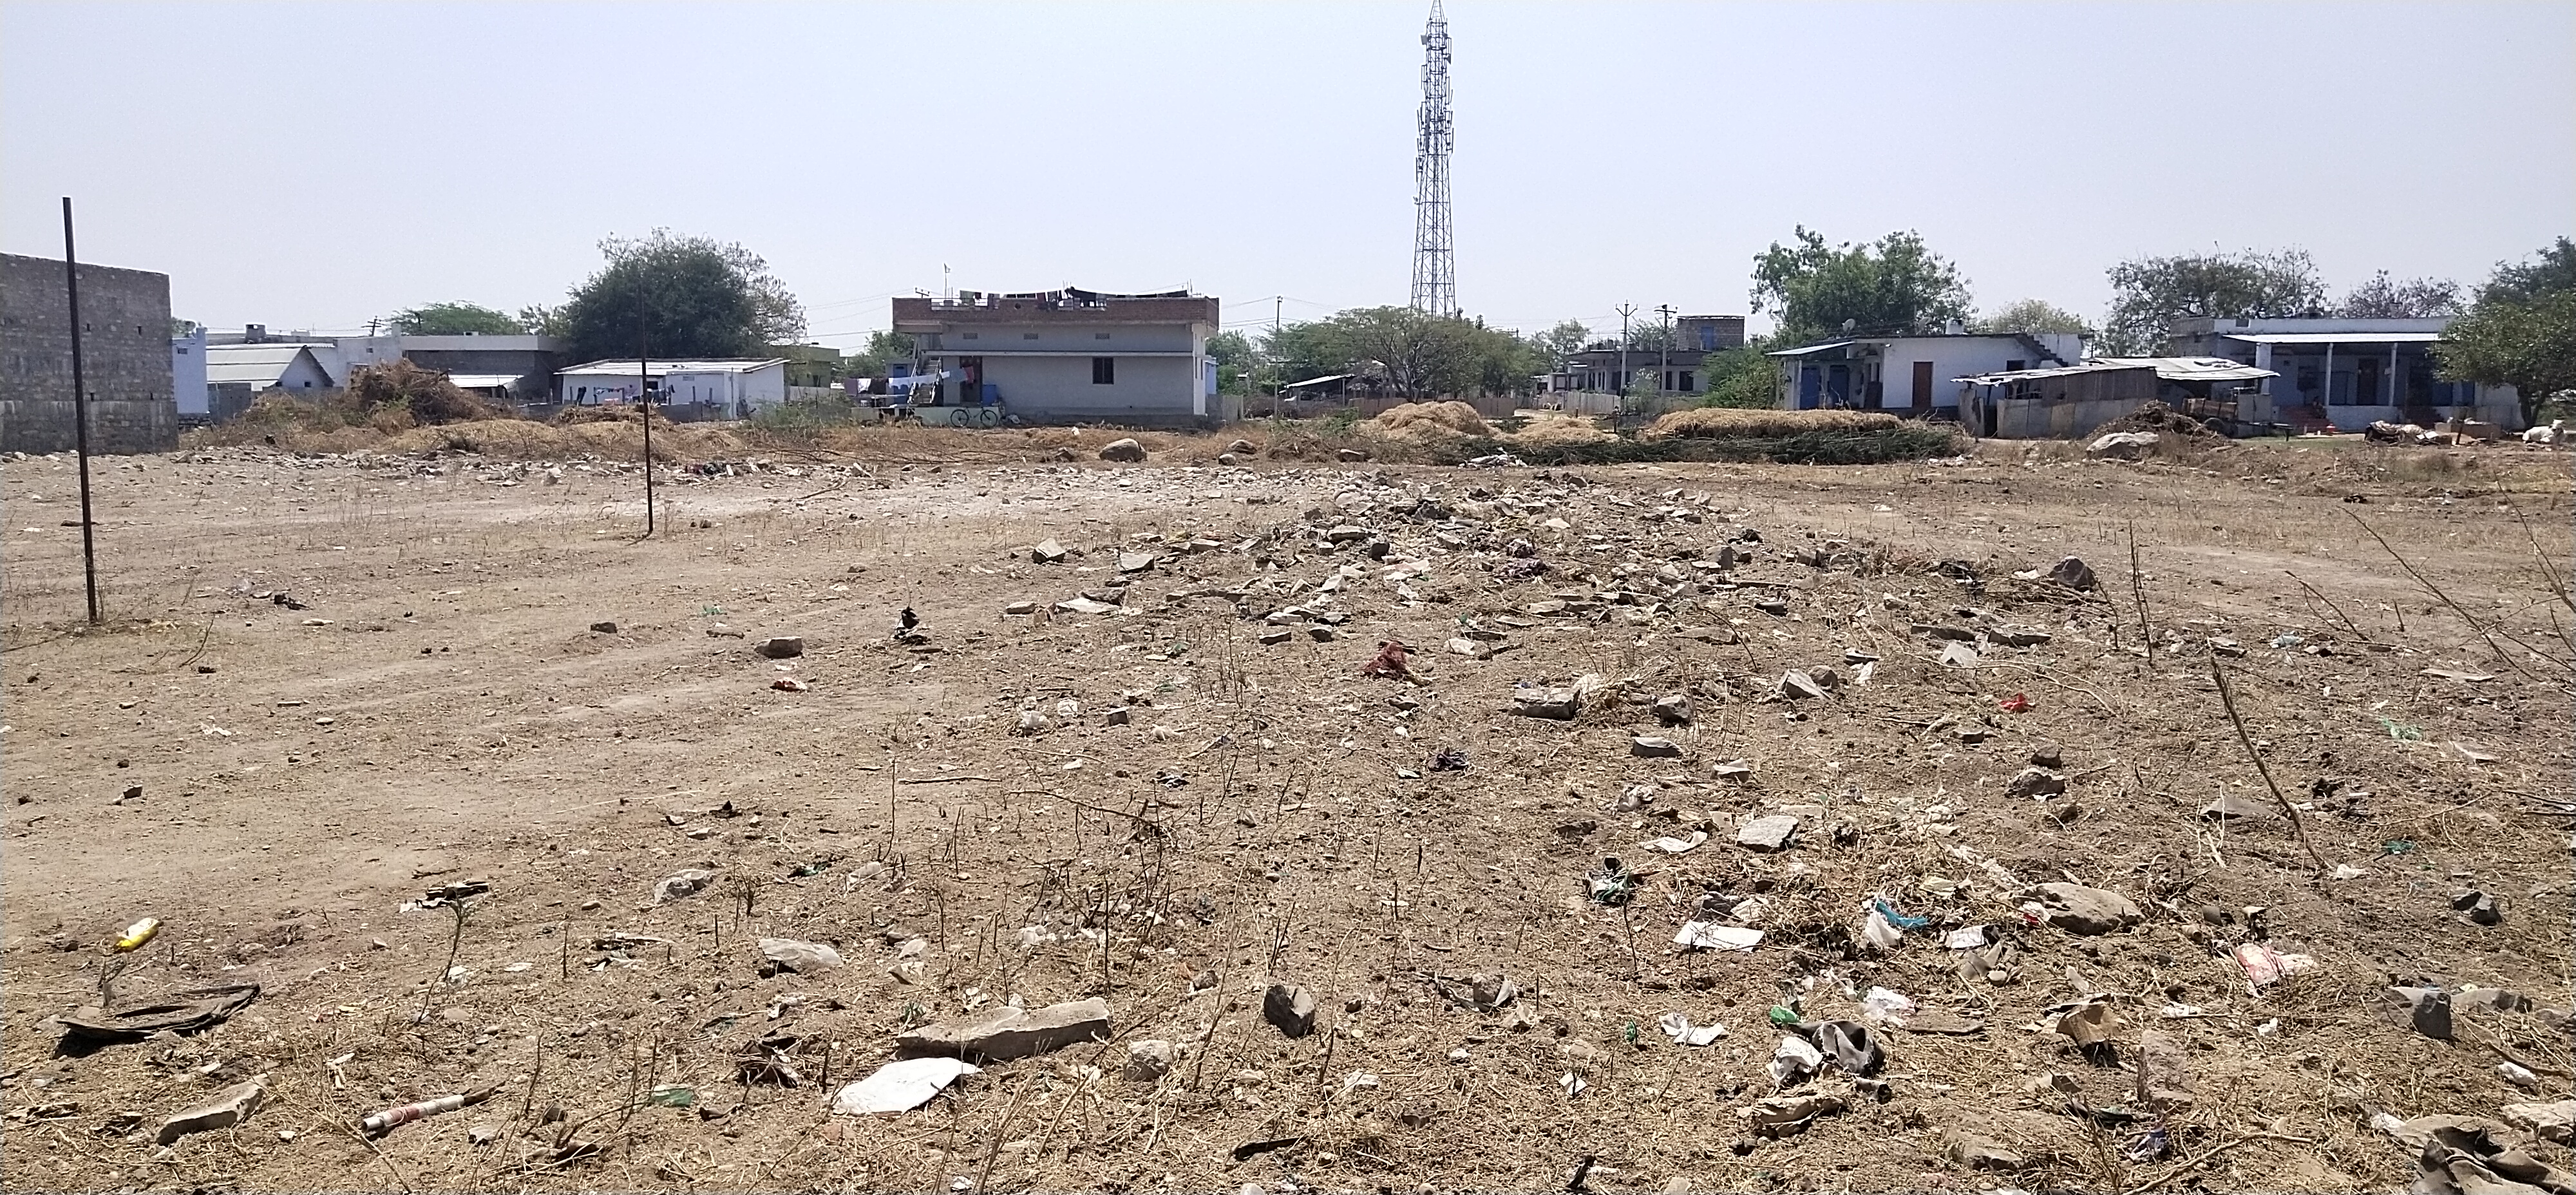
[[1416, 418], [1716, 423]]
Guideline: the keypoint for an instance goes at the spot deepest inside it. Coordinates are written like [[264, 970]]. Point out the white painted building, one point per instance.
[[707, 389], [1911, 373], [188, 374], [1072, 356]]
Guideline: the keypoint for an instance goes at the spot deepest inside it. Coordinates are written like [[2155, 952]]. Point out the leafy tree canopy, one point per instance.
[[883, 349], [2034, 316], [2149, 293], [2521, 332], [2415, 298], [1893, 285], [1562, 341], [1421, 355], [687, 296], [454, 319], [1234, 357]]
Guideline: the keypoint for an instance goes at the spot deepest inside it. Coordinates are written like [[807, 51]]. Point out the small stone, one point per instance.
[[2164, 1077], [1126, 450], [1674, 708], [1084, 605], [2047, 755], [1351, 455], [1227, 458], [1559, 704], [2481, 908], [685, 882], [1958, 655], [1048, 552], [2122, 446], [1653, 747], [2427, 1009], [1275, 638], [2035, 782], [780, 647], [2231, 806], [1289, 1008], [1798, 685], [1136, 562], [1243, 448], [1115, 715], [1009, 1032], [1767, 834], [1021, 608], [2073, 573], [2081, 910], [1321, 634], [1149, 1060], [604, 628]]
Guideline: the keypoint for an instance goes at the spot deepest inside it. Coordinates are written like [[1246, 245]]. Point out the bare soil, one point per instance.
[[429, 703]]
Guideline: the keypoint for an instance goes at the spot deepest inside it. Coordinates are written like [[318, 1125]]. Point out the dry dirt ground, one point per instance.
[[440, 708]]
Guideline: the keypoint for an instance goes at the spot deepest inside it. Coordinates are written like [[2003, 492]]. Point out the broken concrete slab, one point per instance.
[[1770, 833], [2164, 1073], [1048, 552], [228, 1108], [1647, 746], [1084, 605], [1007, 1033], [1558, 704], [1150, 1060], [804, 958], [1136, 562], [1958, 655], [900, 1086], [1797, 685]]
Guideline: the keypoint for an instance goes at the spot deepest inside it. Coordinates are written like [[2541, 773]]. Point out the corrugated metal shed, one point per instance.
[[2335, 337]]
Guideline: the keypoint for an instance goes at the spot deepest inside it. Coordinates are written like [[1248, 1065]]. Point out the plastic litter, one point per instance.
[[2265, 966], [2015, 704], [1612, 885], [1895, 918], [1679, 1028], [1879, 932], [138, 933], [1886, 1005], [1708, 935], [376, 1124], [1793, 1060]]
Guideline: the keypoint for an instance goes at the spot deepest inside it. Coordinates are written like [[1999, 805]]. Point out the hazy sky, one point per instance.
[[316, 165]]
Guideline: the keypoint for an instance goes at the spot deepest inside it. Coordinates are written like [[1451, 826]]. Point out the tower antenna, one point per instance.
[[1435, 265]]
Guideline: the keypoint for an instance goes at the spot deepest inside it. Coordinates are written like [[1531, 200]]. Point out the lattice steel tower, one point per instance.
[[1435, 264]]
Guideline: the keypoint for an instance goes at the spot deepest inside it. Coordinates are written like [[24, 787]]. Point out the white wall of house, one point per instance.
[[306, 373], [188, 371], [736, 391], [1105, 340], [1951, 357], [1059, 389]]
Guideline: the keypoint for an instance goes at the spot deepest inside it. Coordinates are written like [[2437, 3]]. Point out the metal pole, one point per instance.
[[80, 416], [1625, 310], [644, 395], [1664, 359]]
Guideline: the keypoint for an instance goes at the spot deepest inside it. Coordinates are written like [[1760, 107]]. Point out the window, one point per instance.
[[1689, 384], [2015, 366], [969, 335], [1104, 371], [1100, 336], [1028, 335]]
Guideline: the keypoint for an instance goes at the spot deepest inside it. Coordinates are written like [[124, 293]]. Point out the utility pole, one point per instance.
[[1275, 377], [80, 416], [1664, 362], [1625, 310], [644, 395]]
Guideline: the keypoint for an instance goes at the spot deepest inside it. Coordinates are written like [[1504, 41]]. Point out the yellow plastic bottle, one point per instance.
[[138, 933]]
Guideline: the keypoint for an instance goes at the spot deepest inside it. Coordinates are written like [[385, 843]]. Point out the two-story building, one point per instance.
[[1677, 367], [1071, 356]]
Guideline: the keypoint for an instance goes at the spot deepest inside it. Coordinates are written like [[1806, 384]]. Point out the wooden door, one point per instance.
[[1922, 385]]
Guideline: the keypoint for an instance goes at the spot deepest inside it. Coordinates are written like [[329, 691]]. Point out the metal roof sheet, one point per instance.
[[483, 381], [626, 368], [2195, 369], [2334, 337]]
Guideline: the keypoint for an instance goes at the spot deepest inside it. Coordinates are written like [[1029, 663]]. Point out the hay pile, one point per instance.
[[1714, 423], [425, 396], [1557, 427], [2162, 420], [620, 412], [1418, 418]]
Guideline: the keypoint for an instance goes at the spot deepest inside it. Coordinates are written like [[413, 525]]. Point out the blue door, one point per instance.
[[1810, 384]]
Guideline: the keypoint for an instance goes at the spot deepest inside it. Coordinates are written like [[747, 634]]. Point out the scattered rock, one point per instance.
[[1560, 704], [1006, 1033], [900, 1086], [2428, 1009], [1020, 608], [1673, 709], [2554, 1122], [2073, 573], [1350, 455], [1243, 448], [780, 647], [2081, 910], [1048, 552], [1290, 1008], [2090, 1023], [1148, 1061], [1136, 562], [604, 628], [1654, 747], [2479, 907], [1770, 833], [2047, 755], [1084, 605], [1798, 685], [1125, 449], [2230, 806], [1981, 1153], [2035, 782], [685, 882], [2164, 1076]]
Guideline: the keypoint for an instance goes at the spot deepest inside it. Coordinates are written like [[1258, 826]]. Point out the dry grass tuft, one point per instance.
[[1730, 422], [1419, 417], [1557, 427]]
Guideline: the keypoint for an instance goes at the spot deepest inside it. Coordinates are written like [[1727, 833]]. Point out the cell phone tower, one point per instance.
[[1435, 260]]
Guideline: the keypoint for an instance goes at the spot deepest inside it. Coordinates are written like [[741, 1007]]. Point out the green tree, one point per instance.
[[689, 297], [1232, 352], [2386, 298], [1742, 377], [2035, 316], [1891, 286], [453, 319], [1421, 355], [2149, 293], [1560, 343], [2521, 332], [882, 351]]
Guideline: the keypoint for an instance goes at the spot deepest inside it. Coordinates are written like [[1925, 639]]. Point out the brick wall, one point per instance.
[[125, 358]]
